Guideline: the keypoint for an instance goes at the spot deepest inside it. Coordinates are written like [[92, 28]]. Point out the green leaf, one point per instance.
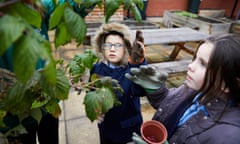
[[93, 102], [26, 52], [36, 114], [56, 16], [98, 102], [107, 99], [11, 29], [53, 108], [134, 9], [103, 98], [127, 4], [75, 68], [30, 15], [62, 36], [139, 3], [14, 95], [63, 86], [75, 25], [19, 128], [111, 7], [21, 102], [2, 115], [37, 103], [89, 58], [186, 14], [133, 6], [81, 63]]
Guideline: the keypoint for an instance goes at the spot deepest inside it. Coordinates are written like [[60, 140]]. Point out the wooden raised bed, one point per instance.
[[204, 24]]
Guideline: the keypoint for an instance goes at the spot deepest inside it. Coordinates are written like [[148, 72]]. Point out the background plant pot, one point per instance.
[[153, 132]]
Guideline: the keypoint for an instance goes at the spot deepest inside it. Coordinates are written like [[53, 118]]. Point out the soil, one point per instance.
[[208, 20]]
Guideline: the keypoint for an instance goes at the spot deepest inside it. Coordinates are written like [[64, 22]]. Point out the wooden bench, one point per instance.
[[172, 66], [172, 36]]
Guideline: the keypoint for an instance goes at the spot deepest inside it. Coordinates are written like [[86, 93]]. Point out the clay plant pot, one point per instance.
[[153, 132]]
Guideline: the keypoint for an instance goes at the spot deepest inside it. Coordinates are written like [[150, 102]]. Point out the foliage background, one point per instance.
[[33, 90]]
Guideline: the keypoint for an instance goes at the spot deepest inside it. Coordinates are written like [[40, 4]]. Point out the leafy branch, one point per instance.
[[100, 96], [31, 90]]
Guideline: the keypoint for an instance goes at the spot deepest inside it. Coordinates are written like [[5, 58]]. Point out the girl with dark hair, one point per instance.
[[206, 108]]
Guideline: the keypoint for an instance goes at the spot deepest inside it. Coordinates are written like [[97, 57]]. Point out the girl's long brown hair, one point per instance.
[[223, 70]]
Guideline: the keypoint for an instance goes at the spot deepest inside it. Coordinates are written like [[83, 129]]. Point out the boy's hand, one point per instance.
[[147, 77], [137, 51]]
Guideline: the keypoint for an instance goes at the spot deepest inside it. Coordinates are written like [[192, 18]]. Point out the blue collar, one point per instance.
[[192, 110]]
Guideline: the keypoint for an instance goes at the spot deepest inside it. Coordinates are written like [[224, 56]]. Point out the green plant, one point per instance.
[[32, 90], [187, 14], [100, 96]]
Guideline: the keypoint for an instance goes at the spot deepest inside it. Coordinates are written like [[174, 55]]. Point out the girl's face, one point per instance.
[[197, 68], [113, 49]]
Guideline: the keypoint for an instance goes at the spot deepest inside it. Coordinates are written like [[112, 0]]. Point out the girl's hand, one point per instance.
[[147, 77]]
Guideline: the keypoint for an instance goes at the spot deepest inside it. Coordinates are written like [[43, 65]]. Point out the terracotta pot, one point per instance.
[[153, 132]]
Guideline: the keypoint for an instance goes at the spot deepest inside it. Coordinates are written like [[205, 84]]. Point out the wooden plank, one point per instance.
[[166, 35], [172, 66], [170, 35]]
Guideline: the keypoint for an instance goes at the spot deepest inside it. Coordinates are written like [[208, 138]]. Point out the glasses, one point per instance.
[[108, 46]]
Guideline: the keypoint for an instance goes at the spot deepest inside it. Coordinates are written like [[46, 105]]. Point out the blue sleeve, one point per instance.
[[82, 10], [6, 60]]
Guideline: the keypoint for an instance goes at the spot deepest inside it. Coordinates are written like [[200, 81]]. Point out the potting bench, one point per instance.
[[172, 36]]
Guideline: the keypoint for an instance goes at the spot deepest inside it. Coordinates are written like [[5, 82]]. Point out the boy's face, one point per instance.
[[197, 68], [113, 49]]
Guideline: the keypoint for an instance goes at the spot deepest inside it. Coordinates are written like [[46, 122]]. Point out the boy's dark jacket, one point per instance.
[[120, 121]]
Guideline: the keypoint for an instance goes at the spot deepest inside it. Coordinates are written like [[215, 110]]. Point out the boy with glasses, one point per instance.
[[115, 50]]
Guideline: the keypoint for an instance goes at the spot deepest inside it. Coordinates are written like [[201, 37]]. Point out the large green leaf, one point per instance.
[[107, 99], [98, 102], [111, 7], [80, 63], [92, 105], [134, 6], [134, 9], [127, 4], [75, 25], [53, 108], [11, 29], [36, 113], [62, 86], [88, 58], [56, 16], [30, 15], [139, 3], [23, 106], [75, 66], [45, 53], [27, 50], [14, 95], [62, 36]]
